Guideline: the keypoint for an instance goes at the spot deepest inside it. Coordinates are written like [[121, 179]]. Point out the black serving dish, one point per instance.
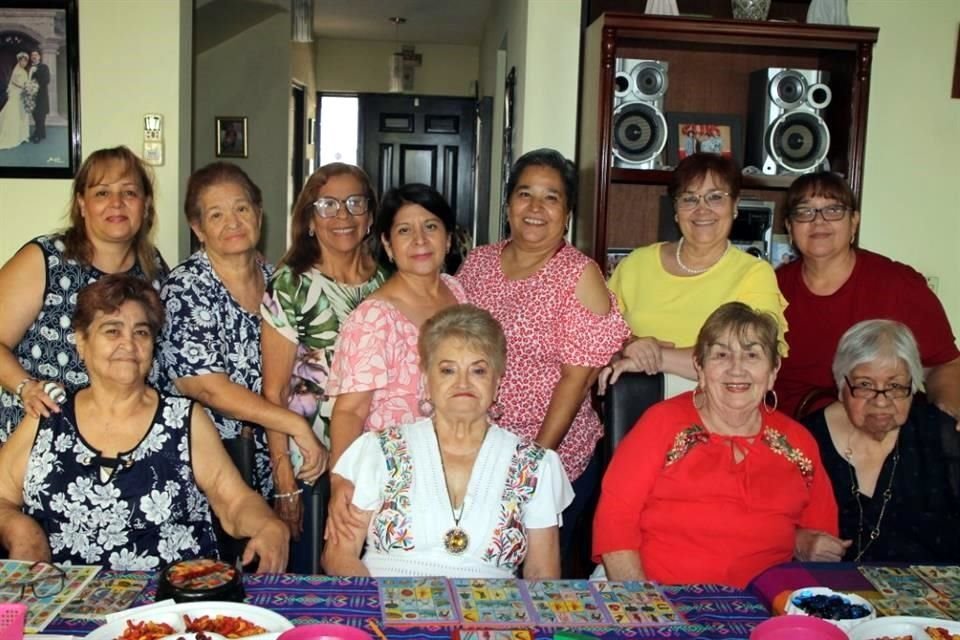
[[200, 580]]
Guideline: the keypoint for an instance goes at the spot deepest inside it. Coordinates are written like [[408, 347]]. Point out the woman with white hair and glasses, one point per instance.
[[888, 453]]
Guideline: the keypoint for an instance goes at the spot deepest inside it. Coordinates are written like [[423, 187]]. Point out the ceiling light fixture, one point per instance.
[[301, 20]]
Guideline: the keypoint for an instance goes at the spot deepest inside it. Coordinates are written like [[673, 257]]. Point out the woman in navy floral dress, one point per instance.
[[210, 348], [112, 478], [111, 217]]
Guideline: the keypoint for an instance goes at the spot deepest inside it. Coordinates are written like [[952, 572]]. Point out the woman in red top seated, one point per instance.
[[836, 285], [714, 486]]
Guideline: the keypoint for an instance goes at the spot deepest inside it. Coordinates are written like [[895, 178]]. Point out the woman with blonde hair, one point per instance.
[[109, 231]]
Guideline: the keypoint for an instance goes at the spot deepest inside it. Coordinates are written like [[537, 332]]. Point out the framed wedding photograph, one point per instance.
[[39, 89], [689, 133], [231, 136]]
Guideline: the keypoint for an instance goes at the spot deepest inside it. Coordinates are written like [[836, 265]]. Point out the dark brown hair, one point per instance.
[[93, 169], [697, 166], [824, 185], [109, 293], [304, 251], [742, 321], [213, 174]]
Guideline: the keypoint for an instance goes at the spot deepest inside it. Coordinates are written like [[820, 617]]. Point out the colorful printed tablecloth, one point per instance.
[[712, 612]]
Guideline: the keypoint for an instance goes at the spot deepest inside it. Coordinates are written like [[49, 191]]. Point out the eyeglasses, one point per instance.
[[712, 199], [43, 579], [329, 207], [893, 392], [830, 213]]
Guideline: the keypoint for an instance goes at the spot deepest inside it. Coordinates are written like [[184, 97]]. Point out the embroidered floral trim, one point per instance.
[[509, 545], [391, 524], [779, 444], [684, 442]]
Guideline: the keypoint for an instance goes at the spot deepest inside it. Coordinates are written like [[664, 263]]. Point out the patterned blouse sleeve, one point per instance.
[[192, 342], [279, 308], [552, 495], [361, 358], [588, 339], [364, 465]]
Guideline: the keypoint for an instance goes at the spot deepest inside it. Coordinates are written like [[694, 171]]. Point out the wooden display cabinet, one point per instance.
[[710, 62]]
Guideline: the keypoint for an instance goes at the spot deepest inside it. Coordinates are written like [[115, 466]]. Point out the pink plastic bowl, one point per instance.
[[795, 628], [325, 632]]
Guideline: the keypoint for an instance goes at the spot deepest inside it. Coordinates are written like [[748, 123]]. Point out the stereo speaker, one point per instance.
[[786, 133], [639, 128]]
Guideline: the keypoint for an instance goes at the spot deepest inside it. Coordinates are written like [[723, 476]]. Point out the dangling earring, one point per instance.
[[768, 408], [495, 412], [701, 394], [426, 408]]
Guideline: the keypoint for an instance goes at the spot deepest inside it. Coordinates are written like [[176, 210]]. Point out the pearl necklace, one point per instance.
[[695, 272]]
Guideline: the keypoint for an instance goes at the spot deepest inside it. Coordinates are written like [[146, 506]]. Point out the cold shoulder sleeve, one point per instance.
[[589, 339]]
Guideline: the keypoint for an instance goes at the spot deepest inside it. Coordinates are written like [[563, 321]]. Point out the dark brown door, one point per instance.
[[405, 138]]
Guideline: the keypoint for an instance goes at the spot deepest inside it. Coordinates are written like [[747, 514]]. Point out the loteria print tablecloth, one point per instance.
[[711, 611]]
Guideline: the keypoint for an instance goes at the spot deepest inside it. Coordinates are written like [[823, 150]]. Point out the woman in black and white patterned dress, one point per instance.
[[111, 217]]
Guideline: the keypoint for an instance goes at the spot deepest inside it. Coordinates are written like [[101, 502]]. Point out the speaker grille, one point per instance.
[[799, 141], [639, 132]]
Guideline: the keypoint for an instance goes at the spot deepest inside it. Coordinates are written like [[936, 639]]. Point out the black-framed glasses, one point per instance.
[[830, 213], [688, 201], [43, 580], [893, 392], [329, 207]]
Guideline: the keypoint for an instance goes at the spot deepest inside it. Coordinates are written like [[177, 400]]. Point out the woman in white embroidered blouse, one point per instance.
[[453, 494]]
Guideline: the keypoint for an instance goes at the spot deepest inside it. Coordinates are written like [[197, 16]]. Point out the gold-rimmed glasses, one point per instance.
[[688, 201], [329, 207]]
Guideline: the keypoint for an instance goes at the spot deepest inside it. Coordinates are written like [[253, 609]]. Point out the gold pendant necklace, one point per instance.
[[455, 540]]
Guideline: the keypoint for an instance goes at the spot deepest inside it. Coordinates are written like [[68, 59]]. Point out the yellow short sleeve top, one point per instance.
[[673, 308]]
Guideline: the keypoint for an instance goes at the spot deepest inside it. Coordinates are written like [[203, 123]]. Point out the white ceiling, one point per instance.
[[428, 21]]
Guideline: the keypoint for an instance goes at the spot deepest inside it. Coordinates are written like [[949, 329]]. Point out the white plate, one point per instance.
[[274, 623], [901, 625]]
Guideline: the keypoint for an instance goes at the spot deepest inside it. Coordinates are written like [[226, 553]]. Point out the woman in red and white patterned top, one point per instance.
[[562, 323]]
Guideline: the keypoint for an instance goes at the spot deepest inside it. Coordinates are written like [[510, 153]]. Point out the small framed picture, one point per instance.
[[614, 256], [231, 137], [689, 133]]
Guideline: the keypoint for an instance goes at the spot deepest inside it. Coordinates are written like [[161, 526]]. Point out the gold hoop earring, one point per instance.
[[768, 408], [698, 392]]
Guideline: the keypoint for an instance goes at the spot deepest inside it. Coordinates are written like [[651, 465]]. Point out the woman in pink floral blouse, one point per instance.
[[561, 321], [375, 375]]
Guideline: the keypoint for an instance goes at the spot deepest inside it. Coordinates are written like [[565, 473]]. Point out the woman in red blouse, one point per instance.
[[715, 486]]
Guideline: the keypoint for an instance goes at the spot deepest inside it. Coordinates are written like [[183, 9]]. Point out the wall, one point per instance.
[[302, 66], [910, 187], [551, 77], [125, 72], [249, 75], [362, 66]]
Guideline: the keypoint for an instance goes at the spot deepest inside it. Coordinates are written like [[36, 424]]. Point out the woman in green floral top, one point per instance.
[[325, 274]]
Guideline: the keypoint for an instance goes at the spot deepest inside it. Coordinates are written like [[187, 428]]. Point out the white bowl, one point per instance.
[[852, 598]]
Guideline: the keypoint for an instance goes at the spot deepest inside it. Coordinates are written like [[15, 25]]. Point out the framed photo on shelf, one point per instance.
[[688, 133], [614, 256], [231, 136], [39, 89]]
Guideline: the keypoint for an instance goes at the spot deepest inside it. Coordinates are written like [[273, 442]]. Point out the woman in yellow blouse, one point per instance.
[[666, 290]]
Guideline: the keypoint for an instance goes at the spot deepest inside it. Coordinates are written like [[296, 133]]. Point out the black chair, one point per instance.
[[624, 403]]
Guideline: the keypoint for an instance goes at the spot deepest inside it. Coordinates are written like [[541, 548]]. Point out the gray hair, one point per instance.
[[475, 326], [872, 340]]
